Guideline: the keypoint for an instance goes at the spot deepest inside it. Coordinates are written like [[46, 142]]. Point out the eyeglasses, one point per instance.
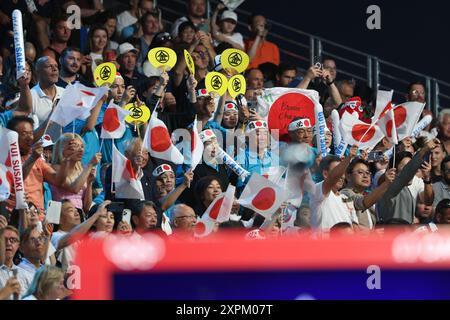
[[12, 240], [362, 173], [187, 217], [418, 93], [38, 239]]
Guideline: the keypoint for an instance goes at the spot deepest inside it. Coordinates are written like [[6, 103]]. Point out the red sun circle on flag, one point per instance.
[[200, 228], [307, 123], [166, 167], [214, 213], [265, 199], [208, 133], [47, 137], [258, 124], [111, 120], [400, 114], [359, 130], [160, 139]]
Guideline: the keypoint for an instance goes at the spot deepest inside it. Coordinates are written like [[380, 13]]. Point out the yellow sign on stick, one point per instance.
[[162, 58], [139, 114], [105, 73], [237, 85], [189, 62], [216, 82], [234, 59]]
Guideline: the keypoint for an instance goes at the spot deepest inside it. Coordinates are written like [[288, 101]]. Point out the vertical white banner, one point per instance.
[[16, 167], [19, 47]]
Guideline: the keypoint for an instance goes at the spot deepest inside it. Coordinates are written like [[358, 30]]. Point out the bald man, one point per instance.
[[45, 93], [183, 219]]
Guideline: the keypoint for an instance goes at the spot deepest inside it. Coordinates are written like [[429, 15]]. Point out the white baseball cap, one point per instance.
[[127, 47], [228, 14]]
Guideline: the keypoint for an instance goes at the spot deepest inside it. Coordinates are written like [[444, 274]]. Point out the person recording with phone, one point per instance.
[[258, 48]]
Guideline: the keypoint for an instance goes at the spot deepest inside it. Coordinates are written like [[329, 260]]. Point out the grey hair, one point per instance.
[[442, 114], [40, 62]]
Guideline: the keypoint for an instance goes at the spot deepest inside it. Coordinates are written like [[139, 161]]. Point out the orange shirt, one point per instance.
[[267, 52], [33, 184]]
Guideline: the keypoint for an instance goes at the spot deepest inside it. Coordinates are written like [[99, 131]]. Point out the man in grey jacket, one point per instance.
[[398, 206]]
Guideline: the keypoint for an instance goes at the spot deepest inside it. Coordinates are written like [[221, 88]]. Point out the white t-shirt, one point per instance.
[[236, 38], [327, 211], [42, 106], [124, 20], [66, 256]]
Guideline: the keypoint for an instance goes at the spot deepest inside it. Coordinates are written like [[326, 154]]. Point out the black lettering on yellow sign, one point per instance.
[[216, 82], [235, 59], [105, 73], [162, 56], [236, 84], [136, 112]]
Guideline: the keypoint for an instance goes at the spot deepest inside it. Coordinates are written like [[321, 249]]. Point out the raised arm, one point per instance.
[[92, 119], [168, 200], [82, 228], [373, 197], [25, 106], [312, 73], [337, 173]]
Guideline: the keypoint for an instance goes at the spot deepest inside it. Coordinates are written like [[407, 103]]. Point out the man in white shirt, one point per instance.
[[7, 270], [196, 13], [44, 94], [328, 206]]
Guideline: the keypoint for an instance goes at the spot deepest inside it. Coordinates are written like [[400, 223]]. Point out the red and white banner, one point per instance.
[[357, 132], [76, 102], [281, 105], [262, 196], [9, 140], [406, 116], [157, 141], [127, 184], [113, 126]]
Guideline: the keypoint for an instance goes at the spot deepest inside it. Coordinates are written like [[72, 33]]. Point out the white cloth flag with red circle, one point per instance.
[[196, 146], [76, 102], [406, 116], [383, 104], [218, 211], [5, 186], [262, 196], [113, 126], [357, 132], [124, 177], [274, 174], [157, 141]]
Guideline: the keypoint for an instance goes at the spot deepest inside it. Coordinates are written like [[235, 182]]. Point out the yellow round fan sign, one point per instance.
[[216, 82], [105, 73], [237, 85], [234, 59], [139, 114], [162, 57], [189, 62]]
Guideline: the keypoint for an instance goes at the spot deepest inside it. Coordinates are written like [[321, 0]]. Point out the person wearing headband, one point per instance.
[[165, 176], [230, 115], [301, 131]]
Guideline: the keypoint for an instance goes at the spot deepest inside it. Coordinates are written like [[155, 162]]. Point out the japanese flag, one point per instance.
[[357, 132], [204, 226], [401, 120], [262, 196], [113, 126], [157, 141], [124, 177], [218, 211], [76, 102], [196, 146], [383, 104], [5, 182]]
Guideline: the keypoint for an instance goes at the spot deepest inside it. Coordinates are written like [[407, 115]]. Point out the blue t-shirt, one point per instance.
[[5, 117]]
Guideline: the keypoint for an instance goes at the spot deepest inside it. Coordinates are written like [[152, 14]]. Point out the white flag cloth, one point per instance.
[[383, 104], [157, 141], [113, 126], [262, 196], [406, 116], [196, 146], [274, 174], [357, 132], [5, 186], [76, 102], [218, 211], [126, 182]]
